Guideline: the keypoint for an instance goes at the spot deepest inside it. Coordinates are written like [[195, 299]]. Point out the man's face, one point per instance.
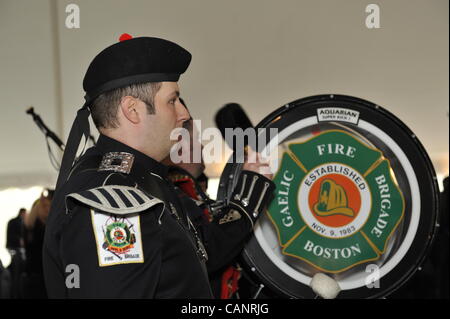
[[189, 152], [169, 114], [196, 146], [192, 162]]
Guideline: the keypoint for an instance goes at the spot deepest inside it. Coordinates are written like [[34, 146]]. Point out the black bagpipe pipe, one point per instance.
[[48, 132], [230, 117]]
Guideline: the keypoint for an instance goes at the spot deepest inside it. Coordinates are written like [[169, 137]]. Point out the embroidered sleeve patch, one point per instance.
[[118, 238]]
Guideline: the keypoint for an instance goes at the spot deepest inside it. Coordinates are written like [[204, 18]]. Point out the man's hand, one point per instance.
[[254, 189], [254, 162]]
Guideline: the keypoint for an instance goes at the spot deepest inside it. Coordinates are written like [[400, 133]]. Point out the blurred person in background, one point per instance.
[[14, 233], [33, 285], [223, 229], [15, 244], [202, 180]]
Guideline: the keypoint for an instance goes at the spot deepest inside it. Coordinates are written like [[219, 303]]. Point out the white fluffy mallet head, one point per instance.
[[325, 286]]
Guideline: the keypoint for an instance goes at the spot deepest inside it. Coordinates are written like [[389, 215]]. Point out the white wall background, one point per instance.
[[26, 78], [260, 53]]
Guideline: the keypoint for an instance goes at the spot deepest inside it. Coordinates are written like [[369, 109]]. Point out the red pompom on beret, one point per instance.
[[125, 36]]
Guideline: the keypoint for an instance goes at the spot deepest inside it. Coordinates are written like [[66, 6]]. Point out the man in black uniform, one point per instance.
[[116, 228], [223, 228]]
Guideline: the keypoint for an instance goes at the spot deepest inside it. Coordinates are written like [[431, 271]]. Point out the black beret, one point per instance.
[[133, 61]]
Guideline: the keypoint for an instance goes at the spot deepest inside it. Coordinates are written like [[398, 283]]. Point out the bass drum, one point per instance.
[[356, 199]]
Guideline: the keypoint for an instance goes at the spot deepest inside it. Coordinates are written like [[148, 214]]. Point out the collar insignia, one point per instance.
[[120, 162]]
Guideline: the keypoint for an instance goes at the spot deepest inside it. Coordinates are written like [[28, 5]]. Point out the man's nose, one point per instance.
[[182, 112]]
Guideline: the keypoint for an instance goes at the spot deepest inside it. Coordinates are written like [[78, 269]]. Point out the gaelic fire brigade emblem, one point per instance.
[[336, 203], [118, 238]]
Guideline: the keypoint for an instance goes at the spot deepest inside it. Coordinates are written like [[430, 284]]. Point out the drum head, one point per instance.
[[356, 199]]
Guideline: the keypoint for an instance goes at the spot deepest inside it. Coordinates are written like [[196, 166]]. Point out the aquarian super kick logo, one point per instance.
[[336, 203]]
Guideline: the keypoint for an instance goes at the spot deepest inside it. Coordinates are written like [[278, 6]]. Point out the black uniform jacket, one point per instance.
[[118, 234], [225, 232]]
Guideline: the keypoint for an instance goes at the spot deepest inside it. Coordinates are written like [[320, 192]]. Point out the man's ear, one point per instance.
[[129, 108]]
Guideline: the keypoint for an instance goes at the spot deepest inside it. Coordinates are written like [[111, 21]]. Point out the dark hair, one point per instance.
[[203, 179], [105, 106]]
